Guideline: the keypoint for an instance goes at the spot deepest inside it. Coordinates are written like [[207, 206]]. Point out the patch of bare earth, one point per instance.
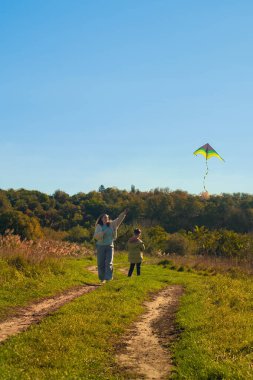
[[145, 353], [92, 269], [27, 316]]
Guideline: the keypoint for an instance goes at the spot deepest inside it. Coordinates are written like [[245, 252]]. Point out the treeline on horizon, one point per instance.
[[171, 210]]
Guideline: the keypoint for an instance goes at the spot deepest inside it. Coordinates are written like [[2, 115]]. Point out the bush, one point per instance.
[[78, 234], [51, 234], [155, 238], [222, 243], [232, 244], [179, 244], [24, 226]]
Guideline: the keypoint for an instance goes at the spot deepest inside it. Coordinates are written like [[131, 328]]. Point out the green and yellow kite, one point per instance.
[[208, 152]]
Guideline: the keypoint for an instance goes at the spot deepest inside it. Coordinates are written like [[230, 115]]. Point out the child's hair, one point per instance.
[[137, 231]]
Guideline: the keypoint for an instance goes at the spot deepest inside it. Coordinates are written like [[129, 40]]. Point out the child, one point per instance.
[[135, 247]]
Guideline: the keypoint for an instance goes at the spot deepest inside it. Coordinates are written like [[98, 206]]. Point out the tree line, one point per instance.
[[171, 221], [171, 210]]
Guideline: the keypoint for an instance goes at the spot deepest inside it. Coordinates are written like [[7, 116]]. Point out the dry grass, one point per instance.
[[37, 251], [213, 264]]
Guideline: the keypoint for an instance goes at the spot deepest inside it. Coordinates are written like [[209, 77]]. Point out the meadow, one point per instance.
[[80, 340]]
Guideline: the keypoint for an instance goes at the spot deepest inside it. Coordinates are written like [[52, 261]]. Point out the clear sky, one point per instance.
[[121, 93]]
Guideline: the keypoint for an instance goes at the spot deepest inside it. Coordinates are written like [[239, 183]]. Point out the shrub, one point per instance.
[[222, 243], [78, 234], [51, 234], [24, 226], [155, 238], [179, 244]]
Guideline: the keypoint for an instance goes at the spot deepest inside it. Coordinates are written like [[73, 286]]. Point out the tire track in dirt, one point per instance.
[[32, 314], [142, 354]]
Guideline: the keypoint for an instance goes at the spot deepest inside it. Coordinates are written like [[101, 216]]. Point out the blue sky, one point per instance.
[[121, 93]]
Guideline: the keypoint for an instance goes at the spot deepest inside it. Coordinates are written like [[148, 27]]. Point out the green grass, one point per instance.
[[217, 337], [26, 283], [78, 341]]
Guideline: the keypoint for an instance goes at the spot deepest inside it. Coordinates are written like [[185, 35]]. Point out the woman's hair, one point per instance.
[[137, 231], [99, 220]]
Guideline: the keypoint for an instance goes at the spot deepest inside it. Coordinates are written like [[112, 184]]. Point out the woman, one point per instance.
[[105, 234]]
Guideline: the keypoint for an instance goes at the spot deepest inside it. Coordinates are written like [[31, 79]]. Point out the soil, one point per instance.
[[94, 269], [24, 317], [144, 352]]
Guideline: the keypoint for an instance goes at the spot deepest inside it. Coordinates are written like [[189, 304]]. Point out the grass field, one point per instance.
[[18, 286], [79, 340]]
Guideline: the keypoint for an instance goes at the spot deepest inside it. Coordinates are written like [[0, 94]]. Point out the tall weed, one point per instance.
[[18, 252]]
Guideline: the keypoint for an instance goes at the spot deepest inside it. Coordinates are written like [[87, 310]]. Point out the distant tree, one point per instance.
[[21, 205], [24, 226], [52, 219], [172, 210], [12, 196], [94, 206], [4, 202], [60, 196]]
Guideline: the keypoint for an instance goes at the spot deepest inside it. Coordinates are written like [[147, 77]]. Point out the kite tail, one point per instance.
[[205, 176]]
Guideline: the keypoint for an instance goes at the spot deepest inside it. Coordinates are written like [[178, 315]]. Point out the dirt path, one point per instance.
[[142, 354], [94, 269], [34, 313]]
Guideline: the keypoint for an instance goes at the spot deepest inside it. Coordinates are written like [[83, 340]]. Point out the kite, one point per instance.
[[208, 152]]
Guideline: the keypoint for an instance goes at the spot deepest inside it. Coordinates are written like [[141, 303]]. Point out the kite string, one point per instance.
[[205, 176]]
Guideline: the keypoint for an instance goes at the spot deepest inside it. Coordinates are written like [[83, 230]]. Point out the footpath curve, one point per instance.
[[32, 314], [144, 352]]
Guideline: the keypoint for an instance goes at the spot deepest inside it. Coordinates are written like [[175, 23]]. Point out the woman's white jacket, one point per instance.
[[114, 224]]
